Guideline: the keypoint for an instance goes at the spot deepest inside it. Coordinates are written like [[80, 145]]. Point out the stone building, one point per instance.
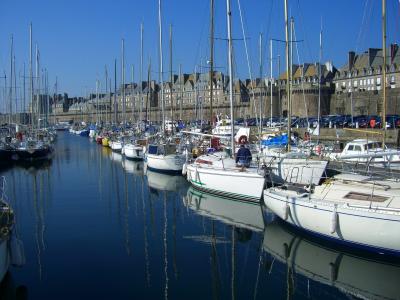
[[305, 89], [358, 84]]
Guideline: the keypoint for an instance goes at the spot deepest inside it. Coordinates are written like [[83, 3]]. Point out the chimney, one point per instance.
[[352, 56], [393, 51]]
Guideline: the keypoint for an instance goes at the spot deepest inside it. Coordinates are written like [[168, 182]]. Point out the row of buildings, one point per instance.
[[355, 88]]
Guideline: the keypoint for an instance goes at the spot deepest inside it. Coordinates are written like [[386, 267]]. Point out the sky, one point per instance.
[[79, 39]]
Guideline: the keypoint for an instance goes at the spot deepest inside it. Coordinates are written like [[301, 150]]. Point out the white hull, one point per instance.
[[166, 163], [235, 183], [92, 133], [353, 275], [133, 152], [350, 222], [115, 146]]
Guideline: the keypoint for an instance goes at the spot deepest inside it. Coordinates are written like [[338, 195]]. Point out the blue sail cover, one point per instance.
[[280, 140]]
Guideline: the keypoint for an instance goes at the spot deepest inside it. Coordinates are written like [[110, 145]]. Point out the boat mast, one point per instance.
[[141, 74], [123, 84], [31, 74], [211, 59], [105, 93], [171, 76], [38, 88], [261, 80], [181, 92], [288, 91], [11, 81], [97, 102], [15, 91], [384, 72], [230, 49], [54, 101], [195, 94], [271, 79], [132, 95], [319, 83], [161, 68], [115, 93], [24, 91], [149, 94]]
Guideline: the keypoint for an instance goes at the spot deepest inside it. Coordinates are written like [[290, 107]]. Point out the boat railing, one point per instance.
[[388, 209], [366, 170]]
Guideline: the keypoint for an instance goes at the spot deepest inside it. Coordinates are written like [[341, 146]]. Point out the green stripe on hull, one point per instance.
[[241, 197]]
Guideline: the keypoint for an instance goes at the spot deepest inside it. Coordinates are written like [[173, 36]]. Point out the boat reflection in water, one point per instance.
[[11, 253], [237, 213], [350, 273], [115, 156], [165, 182], [133, 167], [244, 220]]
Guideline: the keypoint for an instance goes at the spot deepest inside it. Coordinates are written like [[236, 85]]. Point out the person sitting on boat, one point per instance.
[[243, 156]]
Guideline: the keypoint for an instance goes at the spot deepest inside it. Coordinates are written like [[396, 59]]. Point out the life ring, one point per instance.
[[318, 149], [243, 139], [372, 123]]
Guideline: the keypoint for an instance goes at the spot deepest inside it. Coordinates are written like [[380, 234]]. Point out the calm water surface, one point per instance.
[[96, 226]]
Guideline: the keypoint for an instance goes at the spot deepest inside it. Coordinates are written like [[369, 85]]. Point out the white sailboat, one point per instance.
[[217, 173], [352, 209], [163, 156], [362, 211], [134, 151]]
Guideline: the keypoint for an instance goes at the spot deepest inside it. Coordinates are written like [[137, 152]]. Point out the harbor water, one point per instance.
[[93, 225]]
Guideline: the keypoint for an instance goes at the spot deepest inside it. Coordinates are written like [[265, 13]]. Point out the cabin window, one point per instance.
[[365, 197], [350, 148], [357, 148]]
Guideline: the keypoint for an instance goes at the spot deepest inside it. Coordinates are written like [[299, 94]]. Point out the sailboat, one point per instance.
[[217, 173], [134, 149], [164, 156], [363, 211]]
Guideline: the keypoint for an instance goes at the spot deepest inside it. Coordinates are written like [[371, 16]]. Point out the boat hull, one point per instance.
[[133, 152], [104, 142], [116, 146], [172, 163], [228, 183], [362, 228], [28, 154]]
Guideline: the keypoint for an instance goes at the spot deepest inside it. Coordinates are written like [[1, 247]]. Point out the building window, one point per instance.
[[378, 81]]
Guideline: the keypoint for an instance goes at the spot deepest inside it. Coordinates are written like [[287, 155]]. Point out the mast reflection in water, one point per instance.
[[96, 226]]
